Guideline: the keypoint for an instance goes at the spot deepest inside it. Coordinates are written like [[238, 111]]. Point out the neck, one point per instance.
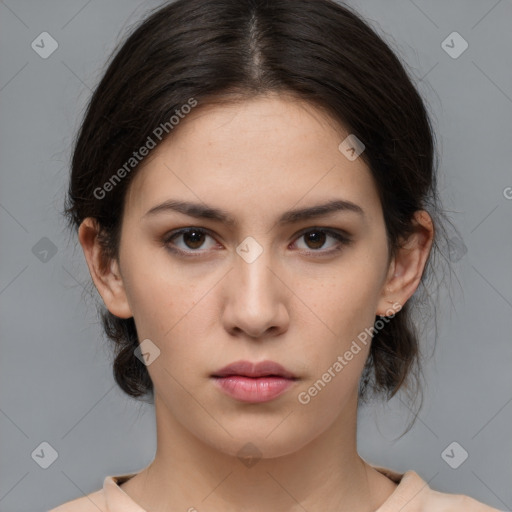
[[325, 474]]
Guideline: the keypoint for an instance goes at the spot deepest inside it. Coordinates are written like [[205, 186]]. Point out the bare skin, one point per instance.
[[300, 303]]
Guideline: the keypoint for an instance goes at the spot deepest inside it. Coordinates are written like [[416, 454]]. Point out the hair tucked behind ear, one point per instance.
[[319, 51]]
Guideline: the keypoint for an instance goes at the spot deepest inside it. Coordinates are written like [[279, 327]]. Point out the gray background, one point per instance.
[[56, 382]]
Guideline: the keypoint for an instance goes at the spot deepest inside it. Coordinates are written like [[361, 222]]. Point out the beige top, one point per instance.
[[412, 494]]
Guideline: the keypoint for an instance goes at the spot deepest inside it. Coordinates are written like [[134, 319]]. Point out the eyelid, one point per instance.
[[336, 232], [343, 238], [166, 240]]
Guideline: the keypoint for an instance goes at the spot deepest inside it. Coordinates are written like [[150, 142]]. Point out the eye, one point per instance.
[[194, 238], [315, 239]]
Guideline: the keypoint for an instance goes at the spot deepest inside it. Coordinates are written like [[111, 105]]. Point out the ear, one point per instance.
[[406, 268], [104, 272]]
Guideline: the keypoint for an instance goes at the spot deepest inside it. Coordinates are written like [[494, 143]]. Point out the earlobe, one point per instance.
[[407, 267], [104, 272]]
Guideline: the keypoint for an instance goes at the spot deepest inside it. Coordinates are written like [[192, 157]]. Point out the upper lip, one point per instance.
[[248, 369]]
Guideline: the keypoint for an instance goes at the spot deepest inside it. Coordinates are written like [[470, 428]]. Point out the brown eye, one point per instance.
[[316, 238], [193, 239]]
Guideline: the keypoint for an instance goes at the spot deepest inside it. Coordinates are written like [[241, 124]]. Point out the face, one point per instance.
[[268, 285]]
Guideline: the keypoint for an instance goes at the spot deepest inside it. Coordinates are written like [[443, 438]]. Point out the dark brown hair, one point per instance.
[[317, 50]]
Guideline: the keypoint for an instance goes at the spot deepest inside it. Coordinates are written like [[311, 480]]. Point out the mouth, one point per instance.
[[255, 370], [254, 382]]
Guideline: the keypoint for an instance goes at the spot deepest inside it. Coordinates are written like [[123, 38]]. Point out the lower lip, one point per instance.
[[255, 390]]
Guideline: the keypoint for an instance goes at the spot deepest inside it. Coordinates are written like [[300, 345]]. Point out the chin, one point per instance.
[[261, 442]]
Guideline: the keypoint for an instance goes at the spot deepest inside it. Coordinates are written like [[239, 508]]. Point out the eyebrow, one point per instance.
[[201, 211]]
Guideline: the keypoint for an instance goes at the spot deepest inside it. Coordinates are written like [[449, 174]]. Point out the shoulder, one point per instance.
[[446, 502], [418, 496], [93, 502], [413, 494]]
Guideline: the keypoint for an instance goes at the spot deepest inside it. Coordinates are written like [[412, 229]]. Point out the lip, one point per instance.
[[248, 369], [254, 382]]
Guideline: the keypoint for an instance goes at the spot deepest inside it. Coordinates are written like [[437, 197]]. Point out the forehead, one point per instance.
[[282, 120], [268, 151]]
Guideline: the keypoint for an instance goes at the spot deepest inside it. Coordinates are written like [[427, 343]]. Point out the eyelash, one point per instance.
[[342, 239]]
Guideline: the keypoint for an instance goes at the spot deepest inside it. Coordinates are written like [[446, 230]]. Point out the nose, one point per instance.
[[256, 298]]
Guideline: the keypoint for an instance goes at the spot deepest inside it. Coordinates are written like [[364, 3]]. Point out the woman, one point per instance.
[[254, 190]]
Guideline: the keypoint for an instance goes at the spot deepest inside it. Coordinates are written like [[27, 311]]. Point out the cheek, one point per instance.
[[337, 354], [172, 311], [345, 301], [157, 296]]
